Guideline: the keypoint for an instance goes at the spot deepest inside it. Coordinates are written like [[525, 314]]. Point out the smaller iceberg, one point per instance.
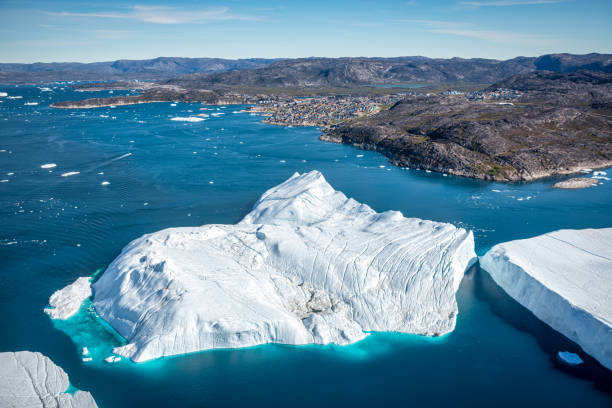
[[30, 379], [571, 359], [187, 119], [565, 279], [67, 301]]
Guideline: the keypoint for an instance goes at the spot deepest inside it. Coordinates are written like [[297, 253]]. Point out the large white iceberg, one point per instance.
[[306, 265], [32, 380], [565, 279]]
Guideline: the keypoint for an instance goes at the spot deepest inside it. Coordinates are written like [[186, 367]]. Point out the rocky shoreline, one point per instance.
[[562, 128]]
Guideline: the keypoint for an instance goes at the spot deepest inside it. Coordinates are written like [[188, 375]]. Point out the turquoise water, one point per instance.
[[55, 229]]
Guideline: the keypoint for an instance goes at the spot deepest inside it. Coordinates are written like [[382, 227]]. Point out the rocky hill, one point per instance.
[[347, 72], [561, 123], [160, 68]]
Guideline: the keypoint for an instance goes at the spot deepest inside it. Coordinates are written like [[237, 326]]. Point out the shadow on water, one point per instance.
[[549, 340]]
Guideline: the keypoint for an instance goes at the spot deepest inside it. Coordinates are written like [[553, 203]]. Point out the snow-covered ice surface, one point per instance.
[[306, 265], [32, 380], [67, 301], [565, 279]]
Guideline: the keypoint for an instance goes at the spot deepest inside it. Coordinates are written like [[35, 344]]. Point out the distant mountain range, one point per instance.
[[198, 73], [348, 72], [150, 69]]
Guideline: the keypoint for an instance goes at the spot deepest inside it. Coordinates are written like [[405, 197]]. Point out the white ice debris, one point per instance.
[[48, 166], [306, 265], [84, 351], [112, 359], [3, 94], [187, 119], [32, 380], [30, 104], [67, 301], [105, 183], [565, 279], [70, 173]]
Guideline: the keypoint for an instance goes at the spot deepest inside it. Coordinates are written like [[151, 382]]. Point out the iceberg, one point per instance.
[[67, 301], [187, 119], [565, 279], [571, 359], [30, 379], [306, 265]]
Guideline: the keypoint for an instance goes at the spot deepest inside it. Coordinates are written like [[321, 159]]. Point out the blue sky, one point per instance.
[[86, 31]]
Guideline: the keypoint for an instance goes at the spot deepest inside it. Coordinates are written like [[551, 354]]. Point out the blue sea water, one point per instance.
[[164, 173]]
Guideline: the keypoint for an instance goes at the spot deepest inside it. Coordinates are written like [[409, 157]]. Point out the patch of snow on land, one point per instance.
[[306, 265], [563, 278]]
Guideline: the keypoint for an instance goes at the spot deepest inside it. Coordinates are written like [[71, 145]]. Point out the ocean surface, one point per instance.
[[161, 173]]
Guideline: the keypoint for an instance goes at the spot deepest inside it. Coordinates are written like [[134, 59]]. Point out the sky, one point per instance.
[[88, 31]]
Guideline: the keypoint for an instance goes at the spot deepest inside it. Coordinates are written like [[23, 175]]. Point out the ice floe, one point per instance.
[[30, 379], [67, 301], [306, 265], [564, 278], [70, 173], [571, 359], [48, 165], [187, 119]]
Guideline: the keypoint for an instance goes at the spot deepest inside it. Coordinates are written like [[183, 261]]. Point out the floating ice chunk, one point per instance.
[[48, 166], [10, 174], [382, 166], [67, 301], [217, 114], [45, 89], [3, 94], [586, 171], [87, 359], [360, 155], [70, 173], [600, 173], [427, 171], [30, 379], [306, 265], [563, 278], [4, 181], [112, 359], [14, 97], [84, 351], [282, 161], [187, 119], [105, 183], [173, 104], [30, 104], [571, 359]]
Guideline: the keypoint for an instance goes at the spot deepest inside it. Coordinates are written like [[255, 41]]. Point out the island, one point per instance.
[[306, 265], [564, 278]]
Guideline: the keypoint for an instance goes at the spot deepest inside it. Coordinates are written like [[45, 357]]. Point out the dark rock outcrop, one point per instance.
[[561, 124]]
